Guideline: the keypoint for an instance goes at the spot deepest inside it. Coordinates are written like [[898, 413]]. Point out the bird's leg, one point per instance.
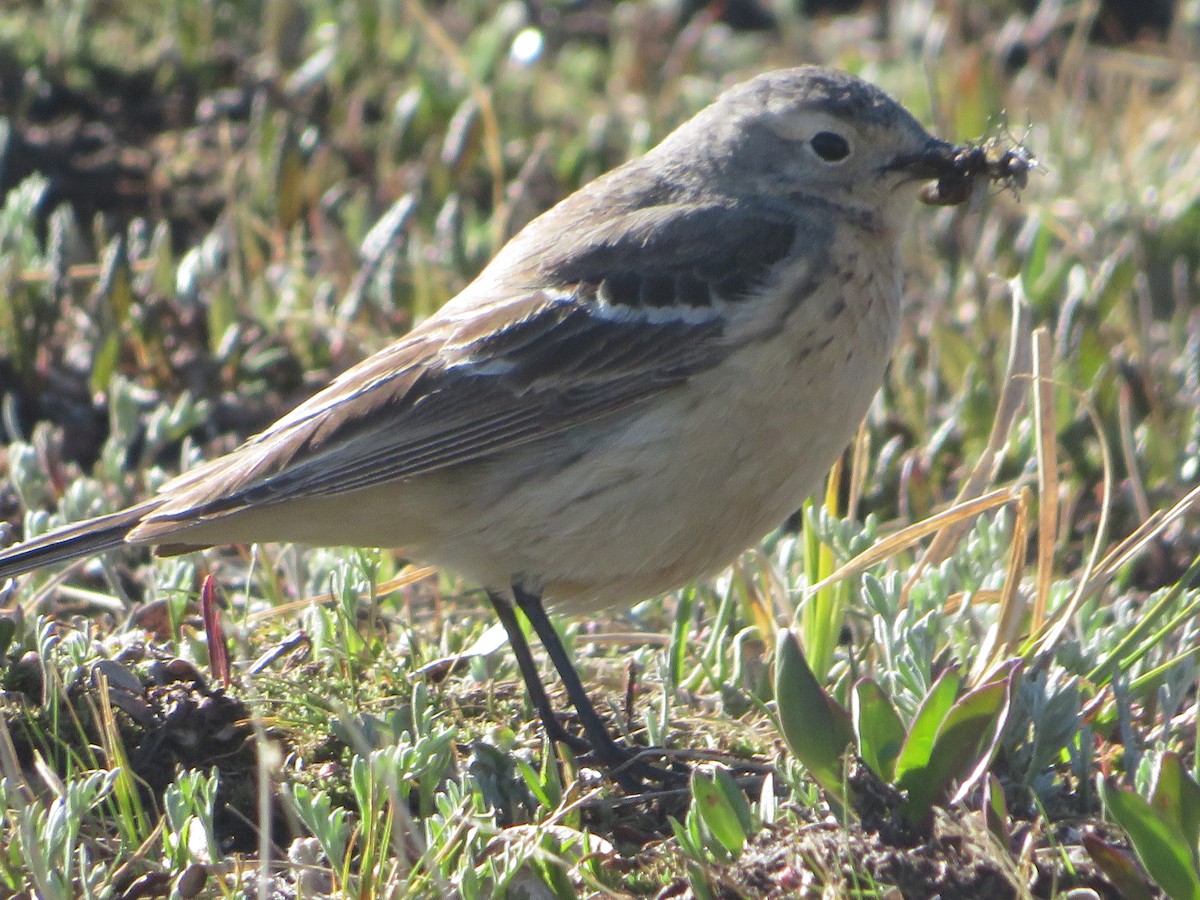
[[529, 673], [622, 764]]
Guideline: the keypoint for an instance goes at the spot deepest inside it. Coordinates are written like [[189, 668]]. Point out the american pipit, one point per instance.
[[643, 382]]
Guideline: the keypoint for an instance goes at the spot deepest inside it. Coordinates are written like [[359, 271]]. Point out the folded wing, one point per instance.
[[598, 325]]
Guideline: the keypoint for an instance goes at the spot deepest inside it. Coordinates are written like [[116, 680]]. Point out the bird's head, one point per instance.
[[817, 135]]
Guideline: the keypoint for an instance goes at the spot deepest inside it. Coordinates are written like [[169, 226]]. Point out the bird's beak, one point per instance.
[[953, 167], [936, 159]]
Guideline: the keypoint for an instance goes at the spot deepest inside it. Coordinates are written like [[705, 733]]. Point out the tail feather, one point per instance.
[[79, 539]]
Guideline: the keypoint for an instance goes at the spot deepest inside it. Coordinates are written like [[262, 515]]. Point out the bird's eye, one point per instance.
[[829, 146]]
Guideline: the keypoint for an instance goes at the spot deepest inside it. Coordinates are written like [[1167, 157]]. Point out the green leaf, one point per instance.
[[698, 882], [116, 282], [104, 363], [1036, 262], [684, 839], [1116, 288], [326, 823], [289, 180], [222, 322], [879, 728], [1161, 848], [1176, 797], [824, 611], [995, 811], [962, 748], [8, 628], [1119, 867], [918, 745], [736, 798], [722, 806], [815, 727], [679, 633]]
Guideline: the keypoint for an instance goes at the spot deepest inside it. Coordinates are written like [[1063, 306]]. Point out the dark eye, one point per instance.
[[829, 146]]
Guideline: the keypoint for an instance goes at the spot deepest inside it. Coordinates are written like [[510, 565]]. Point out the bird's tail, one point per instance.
[[73, 541]]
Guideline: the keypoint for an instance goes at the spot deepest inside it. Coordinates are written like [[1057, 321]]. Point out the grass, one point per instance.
[[248, 198]]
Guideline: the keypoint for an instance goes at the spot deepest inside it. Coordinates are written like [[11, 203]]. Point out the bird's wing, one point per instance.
[[622, 315]]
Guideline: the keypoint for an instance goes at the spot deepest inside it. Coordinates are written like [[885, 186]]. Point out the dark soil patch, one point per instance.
[[168, 723], [960, 859], [958, 862], [152, 144], [108, 141]]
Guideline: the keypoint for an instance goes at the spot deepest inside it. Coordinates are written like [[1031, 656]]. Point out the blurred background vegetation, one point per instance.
[[210, 208]]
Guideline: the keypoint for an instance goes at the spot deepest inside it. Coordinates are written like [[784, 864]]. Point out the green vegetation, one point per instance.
[[992, 612]]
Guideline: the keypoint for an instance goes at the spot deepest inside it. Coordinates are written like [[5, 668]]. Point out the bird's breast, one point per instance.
[[662, 494]]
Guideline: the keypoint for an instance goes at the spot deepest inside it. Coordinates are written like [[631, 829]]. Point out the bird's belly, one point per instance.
[[631, 508], [623, 508]]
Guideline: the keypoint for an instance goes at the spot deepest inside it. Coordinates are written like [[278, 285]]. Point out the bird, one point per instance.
[[645, 380]]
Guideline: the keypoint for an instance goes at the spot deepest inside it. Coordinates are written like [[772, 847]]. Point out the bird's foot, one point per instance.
[[633, 770]]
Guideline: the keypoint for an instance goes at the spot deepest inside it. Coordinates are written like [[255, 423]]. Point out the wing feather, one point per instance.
[[590, 334]]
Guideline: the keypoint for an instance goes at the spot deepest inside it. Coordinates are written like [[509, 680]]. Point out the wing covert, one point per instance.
[[593, 334]]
